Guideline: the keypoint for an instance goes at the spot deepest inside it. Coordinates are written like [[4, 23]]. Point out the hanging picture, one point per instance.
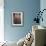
[[17, 18]]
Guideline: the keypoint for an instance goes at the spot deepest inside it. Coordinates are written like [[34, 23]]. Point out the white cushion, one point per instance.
[[20, 42]]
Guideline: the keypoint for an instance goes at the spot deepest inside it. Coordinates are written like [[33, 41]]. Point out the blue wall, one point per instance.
[[29, 7]]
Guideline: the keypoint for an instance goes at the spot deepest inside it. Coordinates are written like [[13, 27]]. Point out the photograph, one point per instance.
[[17, 18]]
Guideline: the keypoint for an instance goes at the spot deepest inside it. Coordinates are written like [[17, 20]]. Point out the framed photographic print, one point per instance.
[[17, 18]]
